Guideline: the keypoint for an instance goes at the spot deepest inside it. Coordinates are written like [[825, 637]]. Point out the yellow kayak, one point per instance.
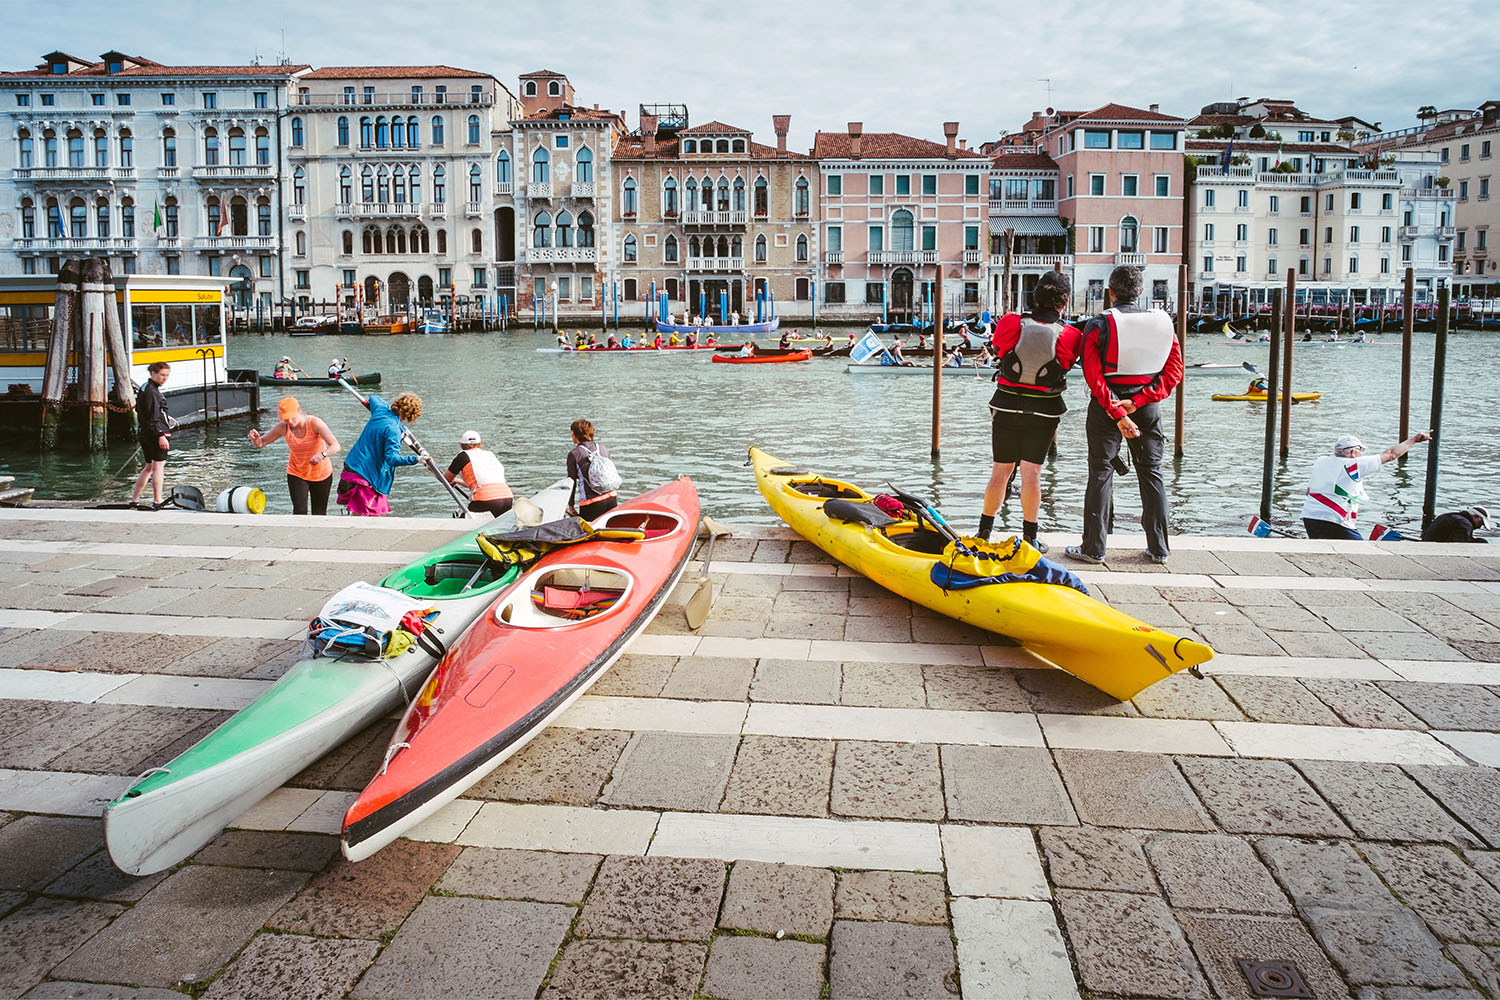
[[1260, 397], [1114, 652]]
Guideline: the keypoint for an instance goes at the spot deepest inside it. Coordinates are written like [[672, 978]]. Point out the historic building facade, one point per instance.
[[1023, 210]]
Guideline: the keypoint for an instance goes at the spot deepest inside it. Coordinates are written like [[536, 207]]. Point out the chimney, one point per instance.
[[856, 129], [1154, 107], [782, 124], [648, 134], [963, 144], [950, 129]]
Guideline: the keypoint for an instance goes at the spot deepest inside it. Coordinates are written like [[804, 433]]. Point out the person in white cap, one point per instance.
[[1336, 485], [339, 367], [483, 474], [1457, 526]]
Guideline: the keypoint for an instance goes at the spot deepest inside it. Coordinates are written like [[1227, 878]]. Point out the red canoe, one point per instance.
[[763, 357], [540, 645]]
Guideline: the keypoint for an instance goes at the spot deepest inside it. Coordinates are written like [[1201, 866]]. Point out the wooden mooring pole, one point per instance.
[[937, 362], [1407, 319], [1288, 335], [1439, 364], [1271, 382], [59, 346]]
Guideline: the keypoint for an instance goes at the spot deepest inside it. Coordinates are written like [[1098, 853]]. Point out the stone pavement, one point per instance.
[[823, 792]]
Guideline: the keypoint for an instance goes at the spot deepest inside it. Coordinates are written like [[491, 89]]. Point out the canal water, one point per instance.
[[674, 413]]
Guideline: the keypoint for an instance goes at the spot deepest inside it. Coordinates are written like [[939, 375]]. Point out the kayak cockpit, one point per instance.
[[564, 595], [825, 489], [652, 524], [923, 540]]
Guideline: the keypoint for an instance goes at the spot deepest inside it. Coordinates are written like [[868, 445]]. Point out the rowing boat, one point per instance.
[[1260, 397], [370, 378], [532, 654], [767, 356], [1220, 369], [320, 702], [971, 370], [720, 329], [908, 555]]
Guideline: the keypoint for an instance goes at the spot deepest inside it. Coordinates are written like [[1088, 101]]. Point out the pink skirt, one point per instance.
[[360, 497]]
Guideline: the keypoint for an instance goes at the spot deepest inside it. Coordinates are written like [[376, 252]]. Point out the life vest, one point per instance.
[[1335, 485], [1142, 341], [1033, 361], [484, 475]]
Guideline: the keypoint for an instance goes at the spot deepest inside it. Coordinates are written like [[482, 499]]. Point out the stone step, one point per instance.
[[14, 497]]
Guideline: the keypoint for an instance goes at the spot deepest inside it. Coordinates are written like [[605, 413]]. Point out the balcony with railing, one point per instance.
[[903, 257], [297, 213], [234, 171], [562, 255], [72, 244], [704, 217], [833, 256], [168, 173], [234, 243], [535, 189], [504, 187], [73, 173], [1023, 206], [379, 210], [716, 263], [583, 189], [1025, 260], [973, 256], [1130, 259], [1427, 193], [473, 208], [438, 209]]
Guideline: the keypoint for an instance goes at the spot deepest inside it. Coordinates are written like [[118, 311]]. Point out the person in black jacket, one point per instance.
[[155, 431], [1458, 526]]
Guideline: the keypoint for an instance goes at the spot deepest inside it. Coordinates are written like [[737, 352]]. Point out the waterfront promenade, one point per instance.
[[823, 792]]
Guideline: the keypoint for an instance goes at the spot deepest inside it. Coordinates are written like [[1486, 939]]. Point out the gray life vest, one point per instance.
[[1033, 361]]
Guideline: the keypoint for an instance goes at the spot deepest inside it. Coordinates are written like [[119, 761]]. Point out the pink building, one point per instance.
[[1121, 174], [895, 209]]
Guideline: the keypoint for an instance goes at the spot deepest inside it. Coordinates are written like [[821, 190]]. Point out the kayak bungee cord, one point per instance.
[[416, 446]]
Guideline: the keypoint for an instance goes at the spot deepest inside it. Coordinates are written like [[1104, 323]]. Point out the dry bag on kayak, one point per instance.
[[525, 546], [372, 622], [975, 563]]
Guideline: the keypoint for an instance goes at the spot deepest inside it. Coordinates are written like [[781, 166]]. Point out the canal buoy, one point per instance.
[[241, 500]]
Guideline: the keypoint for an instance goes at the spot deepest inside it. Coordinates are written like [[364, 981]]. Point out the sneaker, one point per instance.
[[1152, 557], [1037, 544], [1076, 553]]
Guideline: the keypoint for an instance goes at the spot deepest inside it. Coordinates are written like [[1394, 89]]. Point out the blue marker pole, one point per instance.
[[617, 304], [724, 308], [884, 306], [773, 305], [702, 303], [652, 307], [812, 287]]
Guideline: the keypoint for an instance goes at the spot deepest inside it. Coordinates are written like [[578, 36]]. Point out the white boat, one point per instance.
[[433, 321], [1220, 369], [174, 810], [314, 326], [969, 370]]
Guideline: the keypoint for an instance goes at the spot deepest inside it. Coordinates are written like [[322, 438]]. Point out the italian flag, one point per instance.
[[156, 222]]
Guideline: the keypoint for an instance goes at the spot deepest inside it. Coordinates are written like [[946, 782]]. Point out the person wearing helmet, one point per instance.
[[285, 369], [1458, 525], [339, 368], [482, 473], [1336, 485]]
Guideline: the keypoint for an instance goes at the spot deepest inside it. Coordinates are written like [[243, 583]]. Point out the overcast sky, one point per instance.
[[898, 67]]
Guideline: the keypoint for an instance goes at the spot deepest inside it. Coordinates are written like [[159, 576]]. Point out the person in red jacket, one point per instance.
[[1034, 355], [1131, 361]]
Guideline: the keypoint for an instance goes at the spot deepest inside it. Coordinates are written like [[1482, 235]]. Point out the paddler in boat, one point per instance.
[[285, 369], [482, 473], [339, 368], [628, 342], [691, 340], [786, 340], [747, 350], [612, 343], [657, 344], [709, 340], [897, 358], [580, 342], [672, 341], [1307, 337], [956, 359]]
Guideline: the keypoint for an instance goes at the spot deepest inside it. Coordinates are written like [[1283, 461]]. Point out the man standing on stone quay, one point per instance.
[[1131, 361]]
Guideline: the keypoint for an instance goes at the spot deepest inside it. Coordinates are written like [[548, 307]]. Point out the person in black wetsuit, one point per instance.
[[1457, 526], [155, 430]]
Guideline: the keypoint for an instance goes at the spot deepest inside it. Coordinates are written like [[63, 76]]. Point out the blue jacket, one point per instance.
[[378, 451]]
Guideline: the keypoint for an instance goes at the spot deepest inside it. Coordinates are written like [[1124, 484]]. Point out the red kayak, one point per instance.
[[542, 643], [762, 357]]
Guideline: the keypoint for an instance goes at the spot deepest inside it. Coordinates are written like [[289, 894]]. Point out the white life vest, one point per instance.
[[1033, 361], [1334, 490], [485, 475], [1143, 341]]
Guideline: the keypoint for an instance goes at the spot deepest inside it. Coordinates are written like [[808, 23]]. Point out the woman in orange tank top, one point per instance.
[[309, 473]]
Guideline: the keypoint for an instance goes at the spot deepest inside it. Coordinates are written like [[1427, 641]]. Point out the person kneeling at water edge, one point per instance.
[[309, 473], [482, 474], [1035, 353], [1336, 485], [1457, 526], [595, 479], [370, 467]]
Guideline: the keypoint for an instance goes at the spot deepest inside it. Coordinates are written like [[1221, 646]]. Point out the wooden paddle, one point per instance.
[[702, 600]]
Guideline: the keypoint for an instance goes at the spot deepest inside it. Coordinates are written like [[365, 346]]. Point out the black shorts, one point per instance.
[[1021, 437], [152, 449]]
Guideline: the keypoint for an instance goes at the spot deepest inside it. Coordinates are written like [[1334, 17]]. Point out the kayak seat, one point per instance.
[[923, 540], [820, 488], [576, 605], [858, 513]]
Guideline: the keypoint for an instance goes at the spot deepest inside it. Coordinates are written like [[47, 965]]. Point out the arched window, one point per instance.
[[168, 148], [585, 229], [630, 249], [502, 168], [101, 219], [419, 241], [476, 183], [473, 130], [739, 146], [215, 216], [366, 132], [901, 230], [236, 147], [690, 189], [540, 171], [413, 132], [584, 170], [669, 250], [437, 130], [762, 197], [101, 148], [263, 217], [28, 219], [442, 241], [476, 240], [299, 186], [693, 247], [23, 148], [297, 132], [127, 148], [1129, 231], [690, 145], [628, 203], [382, 132], [301, 243], [346, 186], [390, 241], [439, 188], [739, 194], [382, 186], [541, 230], [49, 148], [169, 211], [400, 239], [414, 177], [398, 133], [343, 130], [530, 88], [554, 89], [210, 147], [564, 229], [737, 248], [669, 198], [723, 205], [800, 197], [239, 217], [722, 146], [349, 243], [723, 246], [760, 249], [367, 185], [708, 195], [127, 218], [398, 186], [55, 221], [78, 219], [802, 249]]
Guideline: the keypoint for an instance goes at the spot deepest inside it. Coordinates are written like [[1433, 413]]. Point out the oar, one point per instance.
[[416, 446], [698, 605], [1260, 528]]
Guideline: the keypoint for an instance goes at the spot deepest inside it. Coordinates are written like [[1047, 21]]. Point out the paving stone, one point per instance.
[[1135, 790], [1183, 696], [367, 899], [61, 989], [1387, 947], [872, 628], [882, 959], [1315, 600], [285, 965], [1004, 785], [1365, 620], [747, 968], [1059, 692], [303, 852], [779, 898], [1404, 646], [34, 850], [635, 676], [712, 678], [1214, 872], [1316, 644], [1209, 612], [33, 748], [802, 682], [742, 609], [799, 625], [134, 743], [1362, 703], [883, 685], [1483, 964], [567, 766], [780, 776], [1381, 802], [1011, 948], [1455, 901], [965, 687], [1160, 616], [34, 939], [1328, 875], [1448, 706], [464, 932], [907, 897], [185, 929], [889, 606], [31, 648], [10, 900], [942, 629], [1470, 793], [627, 970], [1239, 640], [1092, 858], [1460, 627], [673, 899], [96, 877], [887, 781], [1129, 944], [1261, 796], [1485, 652], [1277, 699], [513, 874], [739, 585], [683, 771], [1223, 941], [799, 602], [993, 861]]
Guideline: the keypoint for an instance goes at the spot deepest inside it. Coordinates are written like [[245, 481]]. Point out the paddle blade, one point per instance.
[[1385, 533], [698, 605], [1259, 528]]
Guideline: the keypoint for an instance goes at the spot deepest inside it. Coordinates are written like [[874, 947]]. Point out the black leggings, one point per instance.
[[302, 490], [1319, 528], [589, 511], [495, 507]]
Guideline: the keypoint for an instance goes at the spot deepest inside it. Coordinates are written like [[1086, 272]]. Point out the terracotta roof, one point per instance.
[[714, 127], [153, 70], [574, 114], [632, 147], [1023, 161], [391, 73], [543, 73], [1209, 121], [884, 145], [1123, 112]]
